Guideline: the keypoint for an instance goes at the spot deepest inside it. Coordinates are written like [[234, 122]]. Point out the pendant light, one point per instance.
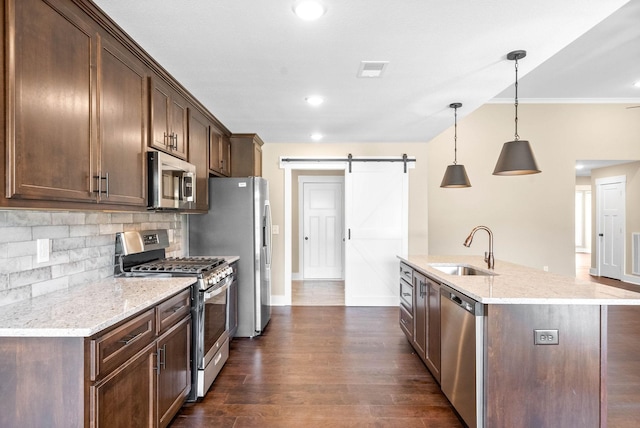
[[516, 157], [455, 175]]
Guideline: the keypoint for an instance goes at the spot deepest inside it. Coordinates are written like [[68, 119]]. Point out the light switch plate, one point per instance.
[[545, 337], [275, 229]]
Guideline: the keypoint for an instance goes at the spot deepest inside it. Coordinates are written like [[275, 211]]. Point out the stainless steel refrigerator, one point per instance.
[[239, 224]]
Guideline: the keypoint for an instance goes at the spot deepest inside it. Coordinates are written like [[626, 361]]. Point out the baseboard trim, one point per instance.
[[631, 279], [279, 300]]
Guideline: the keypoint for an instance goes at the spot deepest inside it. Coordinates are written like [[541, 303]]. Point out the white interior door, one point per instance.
[[376, 214], [611, 220], [322, 230]]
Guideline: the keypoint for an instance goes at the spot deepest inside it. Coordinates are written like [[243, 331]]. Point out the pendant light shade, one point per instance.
[[455, 175], [516, 157]]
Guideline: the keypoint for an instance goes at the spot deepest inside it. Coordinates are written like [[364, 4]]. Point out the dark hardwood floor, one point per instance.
[[323, 367]]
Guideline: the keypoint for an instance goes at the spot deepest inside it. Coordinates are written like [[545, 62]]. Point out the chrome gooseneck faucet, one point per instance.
[[488, 257]]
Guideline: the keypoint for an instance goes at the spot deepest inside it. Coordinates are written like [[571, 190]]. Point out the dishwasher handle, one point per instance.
[[456, 299], [464, 302]]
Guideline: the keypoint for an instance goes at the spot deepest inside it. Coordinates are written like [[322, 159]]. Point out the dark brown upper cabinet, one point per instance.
[[199, 156], [168, 119], [246, 155], [122, 113], [76, 110], [50, 102]]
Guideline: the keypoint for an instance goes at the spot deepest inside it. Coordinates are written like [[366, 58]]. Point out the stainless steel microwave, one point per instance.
[[172, 182]]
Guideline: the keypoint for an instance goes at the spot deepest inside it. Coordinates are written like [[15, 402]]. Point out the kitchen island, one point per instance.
[[538, 341]]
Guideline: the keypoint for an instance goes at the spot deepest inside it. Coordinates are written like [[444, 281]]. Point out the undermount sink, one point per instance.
[[453, 269]]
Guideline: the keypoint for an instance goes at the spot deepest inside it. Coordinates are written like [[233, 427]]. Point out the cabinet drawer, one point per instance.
[[173, 310], [406, 273], [406, 295], [118, 345], [406, 323]]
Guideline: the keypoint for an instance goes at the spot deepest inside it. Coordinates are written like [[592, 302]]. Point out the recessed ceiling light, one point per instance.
[[316, 137], [314, 100], [637, 84], [309, 10], [579, 166]]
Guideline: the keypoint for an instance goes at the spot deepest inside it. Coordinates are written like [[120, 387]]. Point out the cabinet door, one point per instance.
[[174, 376], [160, 99], [168, 119], [215, 147], [51, 91], [257, 160], [126, 398], [225, 156], [246, 155], [420, 313], [199, 156], [178, 126], [432, 352], [122, 112]]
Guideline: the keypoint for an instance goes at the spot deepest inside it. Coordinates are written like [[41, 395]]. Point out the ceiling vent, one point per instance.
[[372, 68]]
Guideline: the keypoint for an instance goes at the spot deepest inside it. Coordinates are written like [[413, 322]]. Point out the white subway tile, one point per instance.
[[50, 232], [15, 234]]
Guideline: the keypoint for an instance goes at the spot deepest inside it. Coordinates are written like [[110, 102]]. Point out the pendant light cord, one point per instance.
[[517, 137], [455, 136]]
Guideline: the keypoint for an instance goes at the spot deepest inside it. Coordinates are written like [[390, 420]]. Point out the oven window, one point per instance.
[[215, 319]]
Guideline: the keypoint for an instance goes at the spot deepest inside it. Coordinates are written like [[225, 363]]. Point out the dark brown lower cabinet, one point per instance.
[[425, 335], [174, 374], [134, 374], [126, 398], [432, 351]]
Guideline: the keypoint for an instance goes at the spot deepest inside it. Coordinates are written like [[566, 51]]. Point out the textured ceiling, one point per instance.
[[252, 62]]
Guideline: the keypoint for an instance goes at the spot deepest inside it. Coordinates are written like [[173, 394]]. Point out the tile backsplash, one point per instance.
[[81, 247]]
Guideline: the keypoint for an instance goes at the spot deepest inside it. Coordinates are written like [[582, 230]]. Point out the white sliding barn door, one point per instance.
[[376, 214]]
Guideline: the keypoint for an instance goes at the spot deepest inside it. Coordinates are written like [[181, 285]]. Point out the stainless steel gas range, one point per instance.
[[213, 297]]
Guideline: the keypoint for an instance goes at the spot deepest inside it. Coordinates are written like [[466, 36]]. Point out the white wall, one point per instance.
[[532, 216]]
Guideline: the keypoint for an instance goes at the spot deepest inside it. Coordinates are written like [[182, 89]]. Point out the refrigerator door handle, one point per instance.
[[267, 232]]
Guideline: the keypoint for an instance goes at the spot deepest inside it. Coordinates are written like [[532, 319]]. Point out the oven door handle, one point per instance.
[[218, 290]]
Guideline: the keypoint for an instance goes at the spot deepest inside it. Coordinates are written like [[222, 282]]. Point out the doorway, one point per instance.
[[370, 275], [321, 235], [610, 203]]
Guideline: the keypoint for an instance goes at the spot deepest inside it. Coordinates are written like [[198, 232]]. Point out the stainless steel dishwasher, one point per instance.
[[461, 341]]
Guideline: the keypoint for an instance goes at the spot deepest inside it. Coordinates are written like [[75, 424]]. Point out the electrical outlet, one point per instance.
[[545, 337], [42, 250], [545, 268]]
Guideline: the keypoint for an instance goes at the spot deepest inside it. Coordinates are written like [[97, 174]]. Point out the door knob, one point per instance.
[[306, 238]]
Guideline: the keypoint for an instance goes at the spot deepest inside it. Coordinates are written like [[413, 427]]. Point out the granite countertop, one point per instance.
[[515, 284], [86, 309]]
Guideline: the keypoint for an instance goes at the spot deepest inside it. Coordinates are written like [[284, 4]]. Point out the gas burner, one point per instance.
[[193, 265]]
